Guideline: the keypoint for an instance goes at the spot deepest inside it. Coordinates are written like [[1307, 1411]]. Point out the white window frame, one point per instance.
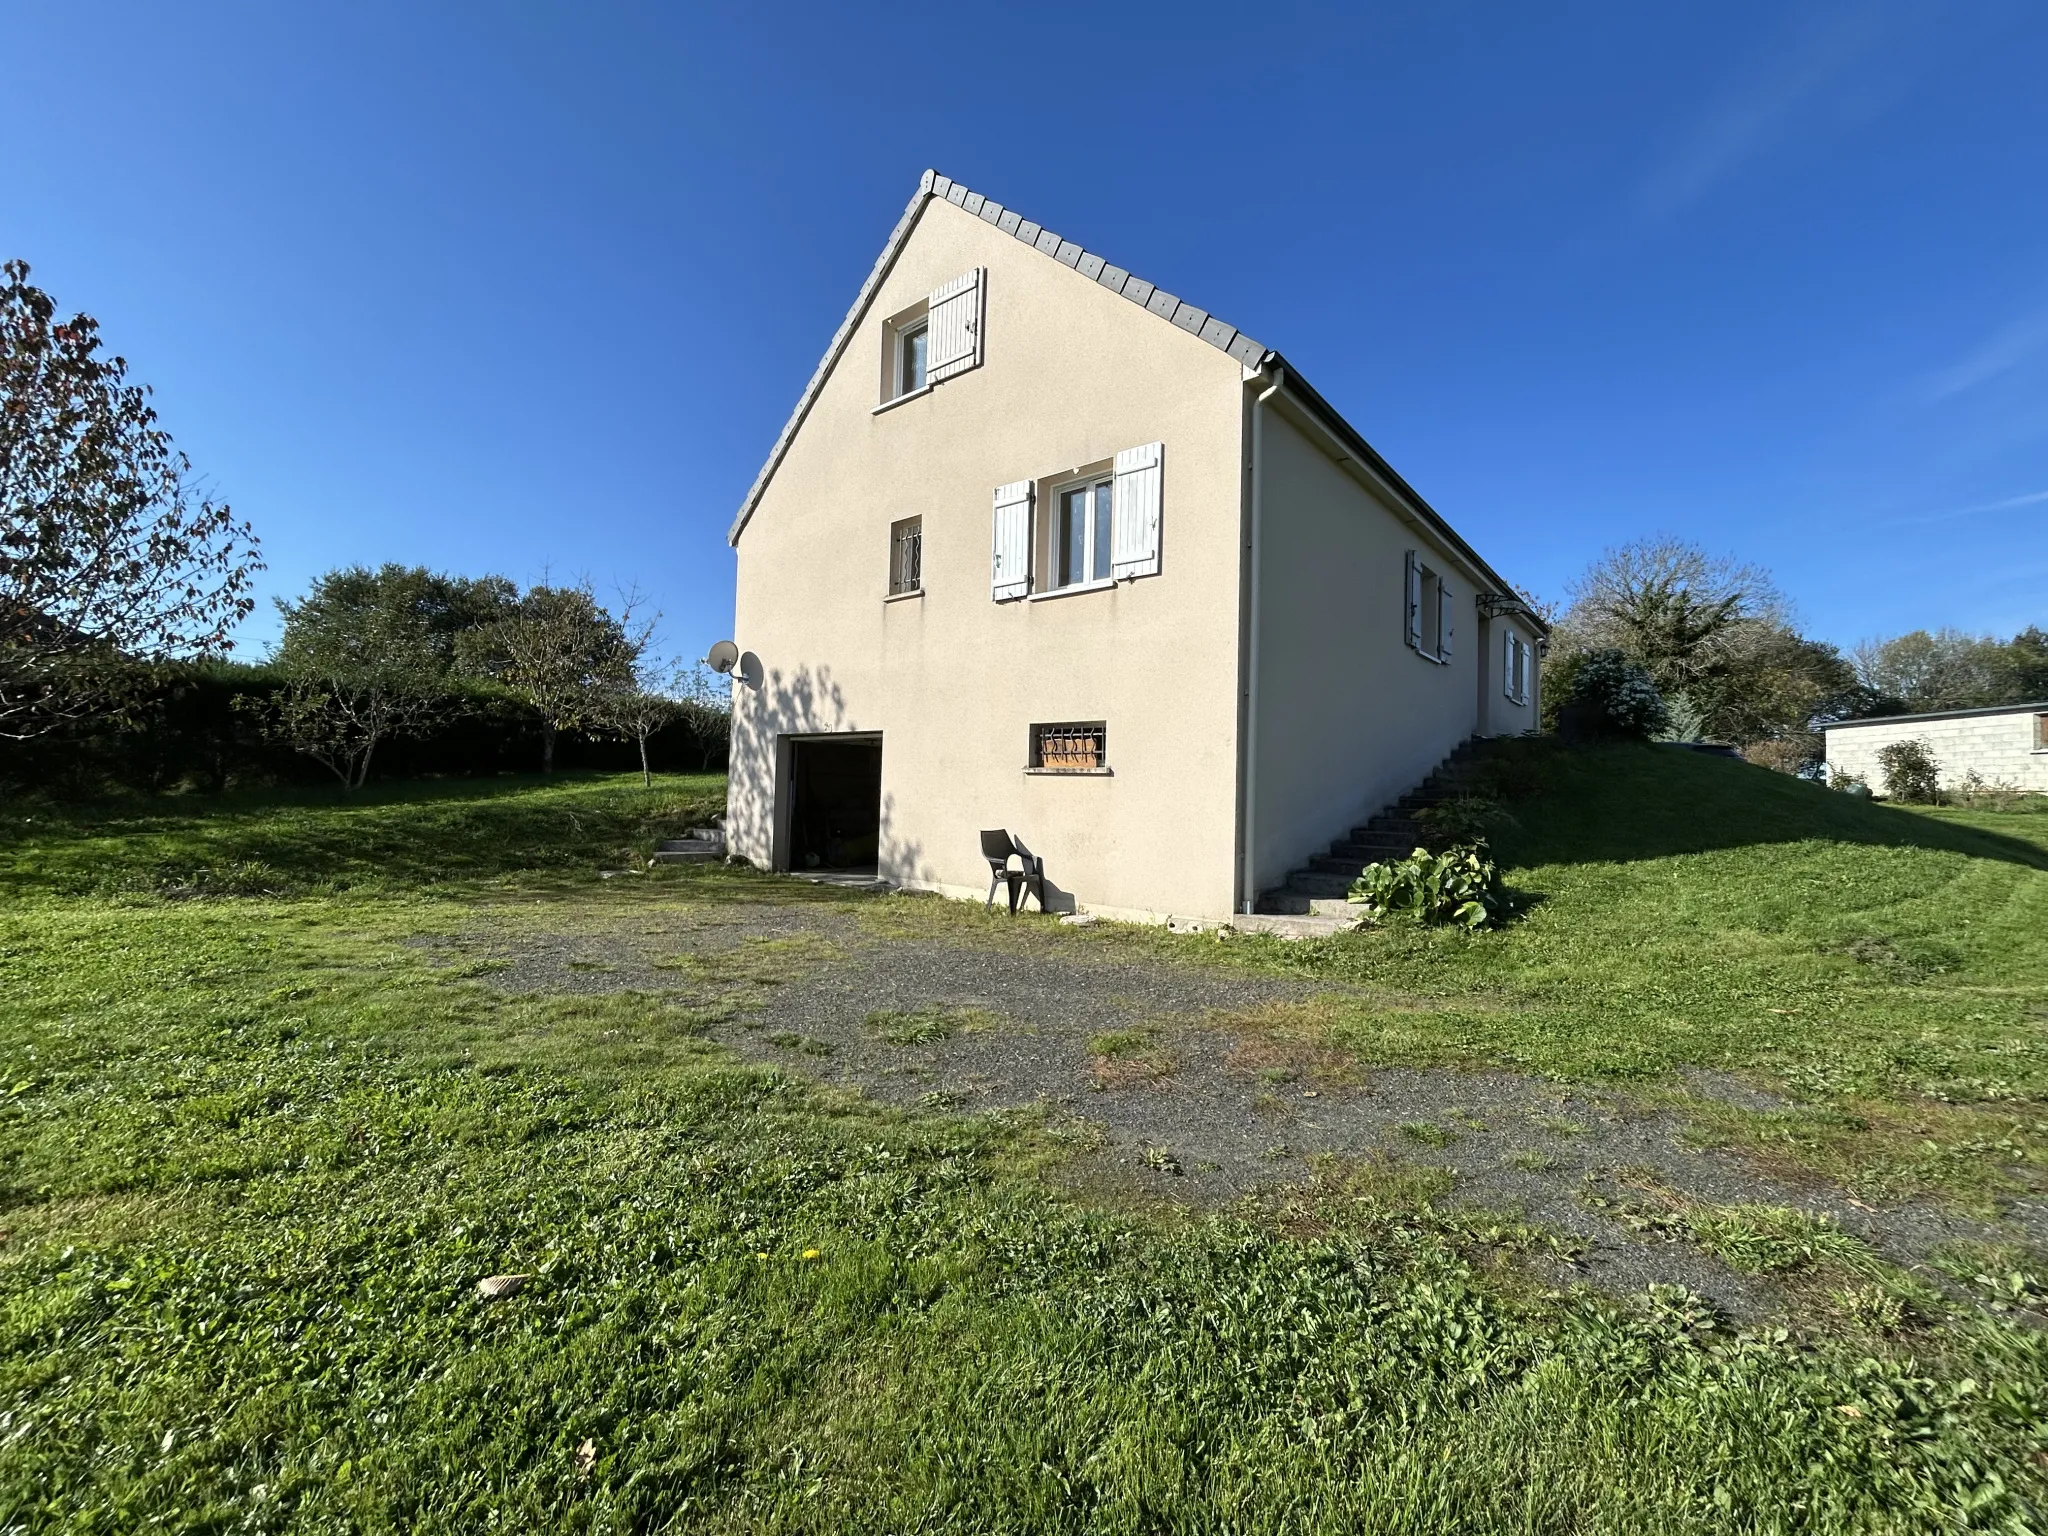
[[1425, 581], [1515, 670], [1098, 537], [904, 337]]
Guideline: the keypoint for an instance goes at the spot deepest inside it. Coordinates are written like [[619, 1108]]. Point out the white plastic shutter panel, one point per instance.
[[1445, 619], [1134, 515], [953, 326], [1507, 664], [1414, 590], [1010, 542]]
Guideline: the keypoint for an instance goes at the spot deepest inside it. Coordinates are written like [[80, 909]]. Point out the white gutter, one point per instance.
[[1250, 892]]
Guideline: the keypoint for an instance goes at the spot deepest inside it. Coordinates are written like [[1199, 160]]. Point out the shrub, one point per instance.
[[1604, 695], [1911, 773], [1460, 821], [1802, 754], [1460, 886]]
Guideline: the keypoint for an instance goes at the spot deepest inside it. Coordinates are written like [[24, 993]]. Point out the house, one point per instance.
[[2006, 746], [1045, 548]]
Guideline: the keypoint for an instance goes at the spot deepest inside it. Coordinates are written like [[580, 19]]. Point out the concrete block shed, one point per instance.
[[2005, 746]]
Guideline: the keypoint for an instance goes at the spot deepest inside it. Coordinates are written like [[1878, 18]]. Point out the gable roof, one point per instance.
[[1196, 321]]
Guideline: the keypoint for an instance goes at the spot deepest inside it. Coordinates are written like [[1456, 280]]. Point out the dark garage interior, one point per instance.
[[835, 813]]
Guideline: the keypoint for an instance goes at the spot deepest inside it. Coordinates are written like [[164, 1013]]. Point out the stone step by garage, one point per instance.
[[1316, 891], [698, 845]]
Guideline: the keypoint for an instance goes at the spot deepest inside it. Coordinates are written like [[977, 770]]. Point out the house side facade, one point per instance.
[[1375, 654], [2004, 747], [1071, 387]]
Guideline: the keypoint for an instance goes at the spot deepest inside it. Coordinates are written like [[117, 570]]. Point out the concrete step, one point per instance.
[[1314, 882], [1371, 848], [1291, 903], [1298, 926], [689, 850], [1350, 862]]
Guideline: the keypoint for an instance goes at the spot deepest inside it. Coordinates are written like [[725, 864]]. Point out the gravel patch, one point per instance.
[[1179, 1103]]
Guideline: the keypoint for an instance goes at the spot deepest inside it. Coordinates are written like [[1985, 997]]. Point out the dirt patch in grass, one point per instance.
[[1198, 1085]]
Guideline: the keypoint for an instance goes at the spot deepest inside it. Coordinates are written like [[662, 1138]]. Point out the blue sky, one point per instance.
[[531, 288]]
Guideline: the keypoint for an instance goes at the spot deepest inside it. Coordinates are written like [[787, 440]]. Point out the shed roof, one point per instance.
[[1941, 714]]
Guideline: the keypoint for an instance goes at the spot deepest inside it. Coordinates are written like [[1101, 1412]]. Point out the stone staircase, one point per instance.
[[698, 845], [1313, 897]]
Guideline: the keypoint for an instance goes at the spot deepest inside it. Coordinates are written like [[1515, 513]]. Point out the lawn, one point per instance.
[[260, 1142]]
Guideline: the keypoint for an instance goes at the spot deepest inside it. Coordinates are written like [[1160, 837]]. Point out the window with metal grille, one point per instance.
[[1071, 748], [906, 556]]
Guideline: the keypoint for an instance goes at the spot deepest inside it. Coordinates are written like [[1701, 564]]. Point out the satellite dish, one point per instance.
[[724, 656]]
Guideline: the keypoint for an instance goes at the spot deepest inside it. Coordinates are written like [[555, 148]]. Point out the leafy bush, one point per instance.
[[1460, 821], [1911, 772], [1460, 886], [1604, 695]]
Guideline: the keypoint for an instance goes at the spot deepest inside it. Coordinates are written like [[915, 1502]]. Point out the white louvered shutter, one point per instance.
[[1010, 542], [1507, 664], [1134, 512], [953, 326], [1414, 591], [1446, 619]]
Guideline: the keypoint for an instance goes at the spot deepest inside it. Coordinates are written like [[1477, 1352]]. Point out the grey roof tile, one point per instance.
[[1069, 254], [1163, 303], [1089, 266], [1189, 318], [1138, 291], [1008, 221], [1217, 334]]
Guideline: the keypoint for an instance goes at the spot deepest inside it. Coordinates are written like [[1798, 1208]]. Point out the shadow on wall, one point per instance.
[[769, 704], [1611, 804]]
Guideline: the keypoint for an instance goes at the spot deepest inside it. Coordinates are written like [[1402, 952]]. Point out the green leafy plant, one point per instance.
[[1459, 886], [1911, 772]]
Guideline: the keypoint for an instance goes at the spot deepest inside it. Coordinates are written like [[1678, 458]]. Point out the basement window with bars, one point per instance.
[[906, 557], [1074, 747]]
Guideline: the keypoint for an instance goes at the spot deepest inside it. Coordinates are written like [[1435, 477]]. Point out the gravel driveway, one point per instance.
[[1162, 1075]]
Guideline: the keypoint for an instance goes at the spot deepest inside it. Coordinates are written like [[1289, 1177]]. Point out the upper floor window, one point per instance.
[[1429, 610], [912, 348], [934, 339], [1080, 533], [1101, 525]]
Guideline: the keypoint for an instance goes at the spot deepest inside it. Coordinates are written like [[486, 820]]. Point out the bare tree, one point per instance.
[[648, 701], [564, 653], [108, 555]]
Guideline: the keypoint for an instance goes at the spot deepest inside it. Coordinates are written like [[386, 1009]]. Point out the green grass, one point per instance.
[[1883, 969], [257, 1149]]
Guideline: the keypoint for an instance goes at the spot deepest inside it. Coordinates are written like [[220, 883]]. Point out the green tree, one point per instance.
[[1927, 670], [563, 652], [369, 656], [108, 555], [1716, 638]]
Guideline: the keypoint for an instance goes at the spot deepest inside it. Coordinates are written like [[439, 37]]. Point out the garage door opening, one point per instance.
[[835, 807]]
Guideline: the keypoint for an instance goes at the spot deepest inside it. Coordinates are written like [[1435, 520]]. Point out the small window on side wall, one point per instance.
[[1073, 747], [1429, 610], [906, 556], [2041, 733], [1514, 668]]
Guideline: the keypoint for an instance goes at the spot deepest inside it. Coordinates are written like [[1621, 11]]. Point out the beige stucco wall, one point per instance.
[[2000, 748], [1348, 716], [952, 680]]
